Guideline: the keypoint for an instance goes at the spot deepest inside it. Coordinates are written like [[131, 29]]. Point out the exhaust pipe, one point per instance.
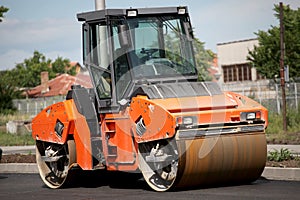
[[100, 4]]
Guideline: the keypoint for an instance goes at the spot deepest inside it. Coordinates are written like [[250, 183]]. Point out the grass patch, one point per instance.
[[275, 133], [276, 122], [7, 139], [6, 118]]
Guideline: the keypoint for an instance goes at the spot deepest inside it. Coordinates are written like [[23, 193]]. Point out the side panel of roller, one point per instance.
[[231, 158], [53, 124], [57, 122]]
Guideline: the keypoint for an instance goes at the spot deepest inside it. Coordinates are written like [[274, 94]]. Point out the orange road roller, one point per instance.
[[147, 112]]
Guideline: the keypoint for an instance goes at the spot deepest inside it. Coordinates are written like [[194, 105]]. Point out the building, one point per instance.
[[59, 86], [77, 65], [238, 74], [232, 60]]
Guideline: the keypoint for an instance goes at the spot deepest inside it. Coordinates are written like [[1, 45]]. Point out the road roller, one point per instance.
[[147, 112]]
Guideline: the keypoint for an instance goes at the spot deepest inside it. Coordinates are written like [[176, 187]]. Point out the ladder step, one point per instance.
[[112, 151]]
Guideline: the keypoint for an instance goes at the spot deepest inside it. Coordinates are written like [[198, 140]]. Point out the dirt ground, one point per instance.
[[289, 163], [287, 138], [18, 158]]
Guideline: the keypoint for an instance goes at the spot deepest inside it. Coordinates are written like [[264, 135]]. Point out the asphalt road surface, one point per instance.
[[30, 186]]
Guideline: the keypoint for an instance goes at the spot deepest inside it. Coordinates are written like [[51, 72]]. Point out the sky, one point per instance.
[[51, 27]]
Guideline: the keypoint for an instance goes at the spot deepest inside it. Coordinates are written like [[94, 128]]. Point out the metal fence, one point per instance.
[[33, 106], [268, 93]]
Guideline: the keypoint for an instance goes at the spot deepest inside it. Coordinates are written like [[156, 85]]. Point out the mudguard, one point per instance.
[[159, 121], [61, 121]]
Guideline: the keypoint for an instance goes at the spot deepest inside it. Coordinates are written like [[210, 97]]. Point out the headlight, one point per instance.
[[132, 13], [181, 11], [250, 116], [245, 116], [187, 120]]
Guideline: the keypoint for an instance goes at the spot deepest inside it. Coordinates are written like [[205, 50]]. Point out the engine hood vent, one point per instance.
[[178, 90]]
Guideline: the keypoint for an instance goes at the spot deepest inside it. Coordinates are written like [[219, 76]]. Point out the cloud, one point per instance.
[[73, 55], [222, 21], [24, 30], [19, 38], [9, 59], [231, 20], [15, 32]]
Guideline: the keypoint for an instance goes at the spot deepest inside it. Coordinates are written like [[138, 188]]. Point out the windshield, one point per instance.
[[159, 47], [155, 47]]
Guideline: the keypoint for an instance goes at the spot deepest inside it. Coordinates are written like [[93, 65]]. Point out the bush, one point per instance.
[[279, 156]]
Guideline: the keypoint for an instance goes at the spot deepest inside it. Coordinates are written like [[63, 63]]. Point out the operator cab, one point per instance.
[[126, 48]]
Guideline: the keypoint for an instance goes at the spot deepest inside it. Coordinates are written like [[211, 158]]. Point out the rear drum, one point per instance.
[[54, 162]]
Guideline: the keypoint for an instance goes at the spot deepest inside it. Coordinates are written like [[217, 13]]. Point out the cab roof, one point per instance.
[[102, 14]]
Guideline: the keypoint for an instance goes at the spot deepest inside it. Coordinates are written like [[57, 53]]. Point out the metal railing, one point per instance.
[[33, 106], [268, 93]]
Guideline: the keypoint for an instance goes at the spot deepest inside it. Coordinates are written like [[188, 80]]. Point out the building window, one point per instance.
[[237, 72]]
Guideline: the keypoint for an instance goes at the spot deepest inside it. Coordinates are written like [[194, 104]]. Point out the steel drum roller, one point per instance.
[[226, 158]]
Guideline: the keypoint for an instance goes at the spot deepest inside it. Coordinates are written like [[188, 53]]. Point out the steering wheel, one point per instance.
[[148, 52]]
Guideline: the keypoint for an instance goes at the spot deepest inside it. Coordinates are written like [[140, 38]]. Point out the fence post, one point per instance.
[[27, 107], [296, 95], [277, 99]]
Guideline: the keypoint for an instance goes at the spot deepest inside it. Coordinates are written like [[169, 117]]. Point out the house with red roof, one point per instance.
[[59, 86]]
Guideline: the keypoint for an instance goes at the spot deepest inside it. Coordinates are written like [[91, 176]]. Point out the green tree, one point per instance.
[[28, 73], [203, 58], [266, 56], [2, 11], [8, 92], [60, 66]]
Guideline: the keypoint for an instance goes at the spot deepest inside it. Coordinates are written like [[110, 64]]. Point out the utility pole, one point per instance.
[[282, 80]]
